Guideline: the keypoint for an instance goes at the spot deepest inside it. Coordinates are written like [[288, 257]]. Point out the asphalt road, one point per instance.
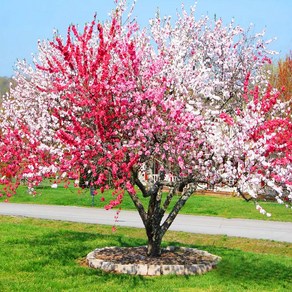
[[279, 231]]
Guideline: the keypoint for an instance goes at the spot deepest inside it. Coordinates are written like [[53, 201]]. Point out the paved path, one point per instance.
[[280, 231]]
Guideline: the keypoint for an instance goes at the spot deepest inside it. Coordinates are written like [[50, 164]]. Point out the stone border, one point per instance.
[[153, 270]]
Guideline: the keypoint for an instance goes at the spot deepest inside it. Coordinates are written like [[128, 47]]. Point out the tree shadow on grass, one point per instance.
[[253, 268], [56, 255], [67, 245], [61, 249], [67, 248], [248, 267]]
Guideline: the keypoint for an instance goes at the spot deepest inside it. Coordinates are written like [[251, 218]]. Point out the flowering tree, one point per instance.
[[112, 101]]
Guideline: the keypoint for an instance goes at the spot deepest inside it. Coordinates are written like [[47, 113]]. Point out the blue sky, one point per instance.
[[23, 22]]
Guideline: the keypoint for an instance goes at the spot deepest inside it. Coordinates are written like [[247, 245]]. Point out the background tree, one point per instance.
[[281, 77], [4, 86], [113, 99]]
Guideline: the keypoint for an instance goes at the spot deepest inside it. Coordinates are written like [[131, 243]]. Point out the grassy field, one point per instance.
[[228, 207], [42, 255]]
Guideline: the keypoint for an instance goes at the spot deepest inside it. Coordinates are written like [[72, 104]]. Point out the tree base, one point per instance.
[[134, 260]]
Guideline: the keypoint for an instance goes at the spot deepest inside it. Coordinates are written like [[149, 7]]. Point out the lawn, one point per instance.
[[43, 255], [228, 207]]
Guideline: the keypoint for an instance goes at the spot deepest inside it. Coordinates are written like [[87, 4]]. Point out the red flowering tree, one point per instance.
[[281, 77], [110, 102]]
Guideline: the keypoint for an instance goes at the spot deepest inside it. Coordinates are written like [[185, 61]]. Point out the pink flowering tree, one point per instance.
[[112, 102]]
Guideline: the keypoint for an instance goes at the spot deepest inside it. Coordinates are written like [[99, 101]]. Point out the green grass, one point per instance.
[[42, 255], [228, 207]]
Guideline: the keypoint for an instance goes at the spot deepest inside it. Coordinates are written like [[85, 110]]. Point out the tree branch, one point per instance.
[[169, 197], [141, 186], [139, 206], [187, 192], [243, 196]]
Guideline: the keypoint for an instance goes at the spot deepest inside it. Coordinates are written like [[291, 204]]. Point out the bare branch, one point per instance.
[[187, 192]]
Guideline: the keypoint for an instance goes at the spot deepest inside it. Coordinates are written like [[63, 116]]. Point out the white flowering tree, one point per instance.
[[113, 99]]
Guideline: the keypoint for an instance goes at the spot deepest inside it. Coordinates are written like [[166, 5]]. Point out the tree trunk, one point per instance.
[[152, 219], [154, 242]]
